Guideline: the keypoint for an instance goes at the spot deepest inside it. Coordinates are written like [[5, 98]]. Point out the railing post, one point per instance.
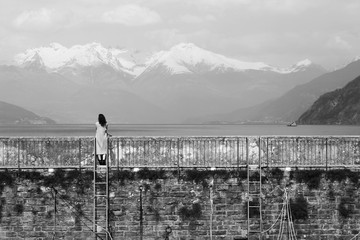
[[259, 152], [238, 152], [267, 152], [18, 155], [79, 154], [178, 158], [326, 154], [144, 153], [247, 151], [118, 154]]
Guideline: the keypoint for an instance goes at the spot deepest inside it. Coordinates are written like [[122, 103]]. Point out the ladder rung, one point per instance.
[[100, 221], [101, 233], [99, 195], [100, 182]]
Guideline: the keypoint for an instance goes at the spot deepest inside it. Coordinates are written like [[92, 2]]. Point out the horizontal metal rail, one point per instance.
[[184, 152]]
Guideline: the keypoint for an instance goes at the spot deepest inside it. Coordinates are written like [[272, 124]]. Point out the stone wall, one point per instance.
[[41, 204]]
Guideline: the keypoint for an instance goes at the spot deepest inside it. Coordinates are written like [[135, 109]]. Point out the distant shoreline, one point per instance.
[[180, 130]]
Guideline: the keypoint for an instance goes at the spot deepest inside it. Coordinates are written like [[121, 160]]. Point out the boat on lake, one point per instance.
[[293, 124]]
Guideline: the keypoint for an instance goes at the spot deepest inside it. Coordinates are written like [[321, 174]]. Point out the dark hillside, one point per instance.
[[12, 114], [341, 106]]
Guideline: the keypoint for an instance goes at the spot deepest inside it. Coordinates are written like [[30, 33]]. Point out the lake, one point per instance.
[[178, 130]]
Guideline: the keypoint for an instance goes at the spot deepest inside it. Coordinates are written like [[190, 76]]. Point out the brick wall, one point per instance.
[[328, 204]]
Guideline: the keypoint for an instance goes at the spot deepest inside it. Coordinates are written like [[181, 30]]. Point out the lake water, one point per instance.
[[178, 130]]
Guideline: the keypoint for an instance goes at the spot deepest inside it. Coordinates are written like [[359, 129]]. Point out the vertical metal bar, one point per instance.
[[18, 155], [94, 188], [294, 160], [204, 158], [260, 187], [238, 158], [107, 189], [215, 152], [117, 154], [2, 151], [55, 212], [248, 187], [80, 154], [198, 151], [267, 152], [178, 158], [141, 213], [259, 160], [7, 151], [247, 150], [144, 151], [326, 154], [194, 152]]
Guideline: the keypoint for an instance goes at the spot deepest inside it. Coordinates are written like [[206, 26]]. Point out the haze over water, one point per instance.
[[119, 130]]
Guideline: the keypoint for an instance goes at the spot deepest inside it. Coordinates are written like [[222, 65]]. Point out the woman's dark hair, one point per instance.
[[102, 120]]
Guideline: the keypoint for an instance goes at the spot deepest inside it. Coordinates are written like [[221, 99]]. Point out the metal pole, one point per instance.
[[55, 211], [80, 154], [248, 187], [18, 156], [178, 159], [238, 159], [326, 153], [211, 207], [94, 188], [141, 212]]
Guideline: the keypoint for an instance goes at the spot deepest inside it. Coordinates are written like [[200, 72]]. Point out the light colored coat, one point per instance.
[[101, 139]]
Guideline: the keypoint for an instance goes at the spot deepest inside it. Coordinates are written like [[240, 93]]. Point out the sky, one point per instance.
[[277, 32]]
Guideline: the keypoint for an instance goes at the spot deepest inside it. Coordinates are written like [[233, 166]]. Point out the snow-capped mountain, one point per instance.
[[188, 58], [180, 83], [193, 80], [56, 57], [180, 59]]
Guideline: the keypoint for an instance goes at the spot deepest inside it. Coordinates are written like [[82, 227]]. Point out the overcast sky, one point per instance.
[[278, 32]]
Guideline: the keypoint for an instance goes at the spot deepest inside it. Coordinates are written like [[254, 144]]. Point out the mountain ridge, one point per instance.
[[202, 86], [341, 106], [291, 105], [56, 56], [12, 114]]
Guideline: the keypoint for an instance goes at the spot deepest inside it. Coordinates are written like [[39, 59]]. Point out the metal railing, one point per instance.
[[225, 152]]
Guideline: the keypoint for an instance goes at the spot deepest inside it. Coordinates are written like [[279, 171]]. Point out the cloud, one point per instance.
[[338, 42], [167, 38], [41, 19], [131, 15], [286, 6], [196, 19]]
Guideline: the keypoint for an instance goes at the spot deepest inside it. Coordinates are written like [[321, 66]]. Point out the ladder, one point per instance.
[[101, 199], [254, 178]]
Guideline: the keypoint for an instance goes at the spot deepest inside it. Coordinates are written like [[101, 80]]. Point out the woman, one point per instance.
[[101, 139]]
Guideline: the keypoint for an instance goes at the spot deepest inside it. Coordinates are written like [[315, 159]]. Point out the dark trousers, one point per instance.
[[102, 159]]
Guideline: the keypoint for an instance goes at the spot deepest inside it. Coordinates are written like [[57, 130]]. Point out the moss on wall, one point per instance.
[[183, 199]]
